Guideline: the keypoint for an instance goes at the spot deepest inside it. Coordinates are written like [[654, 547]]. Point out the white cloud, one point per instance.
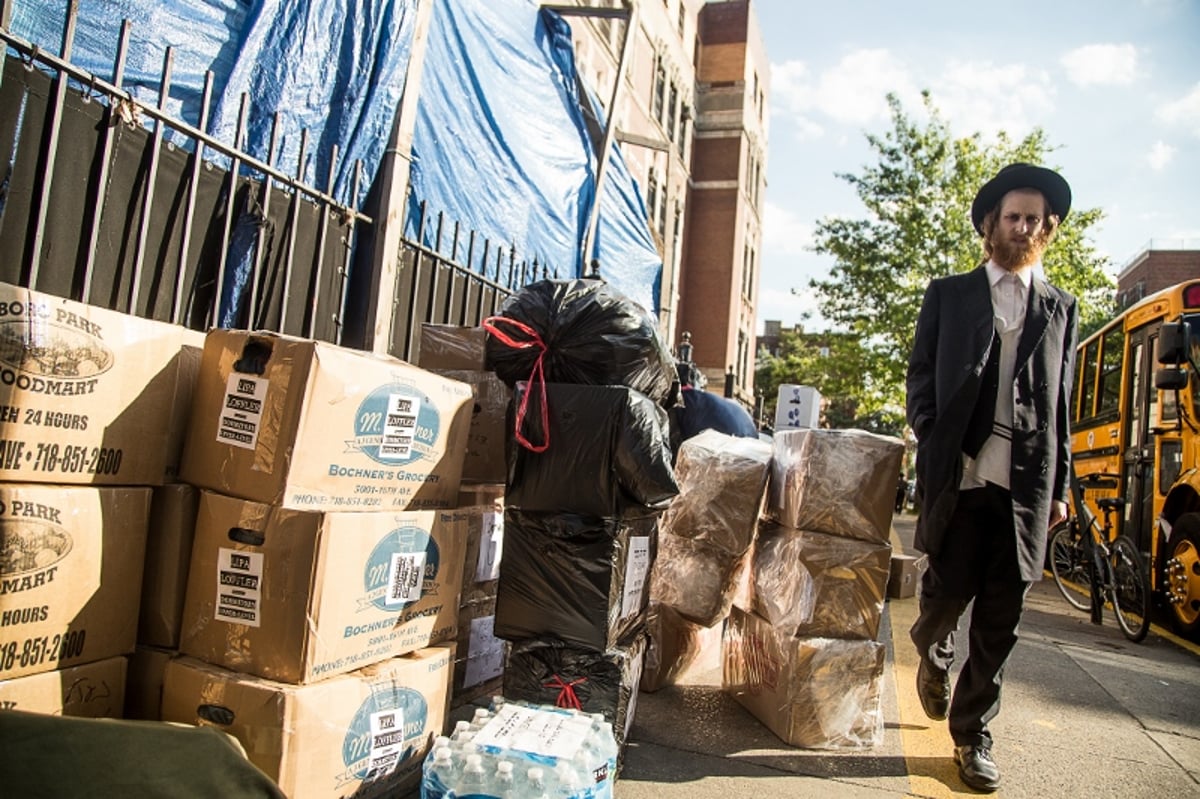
[[787, 306], [1160, 155], [986, 97], [1101, 65], [1184, 111], [784, 233], [852, 92]]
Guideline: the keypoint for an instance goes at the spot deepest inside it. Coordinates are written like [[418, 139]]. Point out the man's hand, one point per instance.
[[1058, 513]]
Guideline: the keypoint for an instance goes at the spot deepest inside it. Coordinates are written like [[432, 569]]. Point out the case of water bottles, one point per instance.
[[523, 751]]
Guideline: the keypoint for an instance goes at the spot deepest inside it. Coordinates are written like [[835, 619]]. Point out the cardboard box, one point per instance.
[[92, 690], [362, 734], [484, 461], [70, 574], [479, 667], [905, 575], [815, 585], [298, 596], [817, 693], [191, 352], [144, 682], [452, 347], [482, 508], [838, 482], [87, 395], [168, 558], [312, 426], [677, 650]]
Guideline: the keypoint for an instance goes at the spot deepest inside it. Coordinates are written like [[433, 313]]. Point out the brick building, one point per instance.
[[1158, 265]]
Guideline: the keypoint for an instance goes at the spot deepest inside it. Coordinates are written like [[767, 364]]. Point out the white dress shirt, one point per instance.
[[1010, 297]]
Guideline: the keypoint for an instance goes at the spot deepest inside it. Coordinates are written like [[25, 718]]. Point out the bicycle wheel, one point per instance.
[[1068, 564], [1129, 591]]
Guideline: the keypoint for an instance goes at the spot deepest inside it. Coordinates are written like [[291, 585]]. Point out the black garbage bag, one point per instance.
[[580, 331], [604, 450], [579, 578], [548, 671]]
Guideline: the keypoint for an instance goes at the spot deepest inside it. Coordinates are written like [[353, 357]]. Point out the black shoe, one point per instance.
[[933, 688], [976, 767]]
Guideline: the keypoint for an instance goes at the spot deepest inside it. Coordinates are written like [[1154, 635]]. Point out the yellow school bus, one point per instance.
[[1136, 425]]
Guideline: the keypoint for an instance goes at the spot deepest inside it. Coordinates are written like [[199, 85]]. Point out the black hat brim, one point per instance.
[[1022, 176]]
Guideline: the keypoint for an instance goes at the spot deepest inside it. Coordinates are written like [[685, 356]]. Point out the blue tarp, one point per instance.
[[500, 146]]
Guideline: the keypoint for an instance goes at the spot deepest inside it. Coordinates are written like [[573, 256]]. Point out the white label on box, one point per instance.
[[636, 568], [406, 576], [387, 742], [239, 587], [241, 412], [485, 652], [538, 732], [399, 427], [491, 547]]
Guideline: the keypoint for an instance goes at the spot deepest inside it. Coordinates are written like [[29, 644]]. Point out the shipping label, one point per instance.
[[239, 587], [241, 411], [636, 569]]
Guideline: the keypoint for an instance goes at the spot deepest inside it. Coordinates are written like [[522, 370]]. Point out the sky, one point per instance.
[[1114, 84]]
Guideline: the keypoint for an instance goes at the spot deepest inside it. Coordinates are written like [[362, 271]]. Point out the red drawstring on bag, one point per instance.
[[537, 377], [566, 692]]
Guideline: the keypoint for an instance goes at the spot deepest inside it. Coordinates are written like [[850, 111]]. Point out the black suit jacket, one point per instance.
[[950, 350]]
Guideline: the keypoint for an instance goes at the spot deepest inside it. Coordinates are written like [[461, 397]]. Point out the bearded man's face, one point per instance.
[[1021, 232]]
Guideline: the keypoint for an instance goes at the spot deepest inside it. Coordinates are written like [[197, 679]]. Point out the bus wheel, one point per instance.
[[1181, 573]]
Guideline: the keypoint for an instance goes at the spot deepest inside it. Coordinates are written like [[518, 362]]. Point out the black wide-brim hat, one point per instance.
[[1022, 176]]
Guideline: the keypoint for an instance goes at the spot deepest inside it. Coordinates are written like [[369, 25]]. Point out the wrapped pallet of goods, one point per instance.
[[589, 474], [677, 648], [804, 659]]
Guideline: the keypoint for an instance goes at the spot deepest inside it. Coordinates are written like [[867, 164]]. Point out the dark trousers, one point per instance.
[[978, 563]]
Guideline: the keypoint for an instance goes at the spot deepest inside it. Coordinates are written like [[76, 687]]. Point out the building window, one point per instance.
[[660, 88], [682, 17], [652, 194], [672, 112]]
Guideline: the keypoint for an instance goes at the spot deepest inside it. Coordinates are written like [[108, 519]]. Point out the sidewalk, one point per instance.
[[1086, 713]]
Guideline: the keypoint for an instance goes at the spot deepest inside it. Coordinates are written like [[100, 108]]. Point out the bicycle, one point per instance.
[[1110, 571]]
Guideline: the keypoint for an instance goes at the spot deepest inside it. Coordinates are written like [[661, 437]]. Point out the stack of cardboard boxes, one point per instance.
[[704, 551], [92, 409], [322, 590], [459, 353], [803, 657]]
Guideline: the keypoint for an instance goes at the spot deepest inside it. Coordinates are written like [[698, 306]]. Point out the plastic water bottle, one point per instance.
[[473, 779], [504, 783], [536, 784], [438, 773], [568, 784], [595, 768], [605, 743], [482, 716]]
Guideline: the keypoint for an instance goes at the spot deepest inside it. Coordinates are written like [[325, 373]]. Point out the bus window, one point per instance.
[[1087, 408], [1111, 353]]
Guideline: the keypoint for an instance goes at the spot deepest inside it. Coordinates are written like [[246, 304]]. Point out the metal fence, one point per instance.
[[98, 207]]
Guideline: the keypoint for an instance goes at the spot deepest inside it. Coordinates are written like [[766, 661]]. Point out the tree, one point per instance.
[[835, 364], [918, 227]]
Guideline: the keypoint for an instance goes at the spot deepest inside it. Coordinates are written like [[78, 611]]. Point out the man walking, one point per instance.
[[989, 383]]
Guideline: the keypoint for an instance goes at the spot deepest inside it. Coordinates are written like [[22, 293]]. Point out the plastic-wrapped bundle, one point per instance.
[[592, 335], [840, 482], [722, 480], [697, 580], [552, 672], [580, 578], [608, 452], [817, 693], [817, 585], [675, 647]]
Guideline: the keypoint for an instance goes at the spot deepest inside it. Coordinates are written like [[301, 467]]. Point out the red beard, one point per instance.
[[1011, 255]]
